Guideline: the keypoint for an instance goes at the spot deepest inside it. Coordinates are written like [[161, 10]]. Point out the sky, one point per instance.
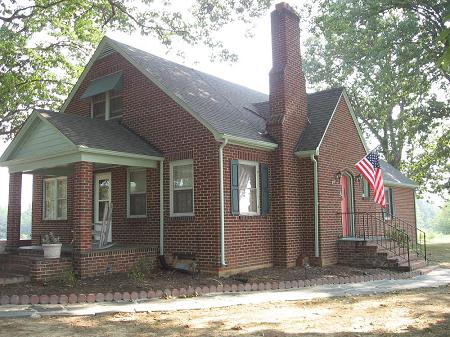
[[251, 70]]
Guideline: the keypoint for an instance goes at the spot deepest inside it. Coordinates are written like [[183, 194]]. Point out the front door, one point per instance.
[[347, 205], [102, 196]]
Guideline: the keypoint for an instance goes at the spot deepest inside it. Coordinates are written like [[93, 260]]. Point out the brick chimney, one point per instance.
[[288, 108], [287, 82]]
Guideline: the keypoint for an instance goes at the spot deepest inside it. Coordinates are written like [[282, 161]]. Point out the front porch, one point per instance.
[[75, 175], [29, 261]]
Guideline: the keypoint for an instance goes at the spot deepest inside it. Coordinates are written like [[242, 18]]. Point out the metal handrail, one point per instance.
[[388, 235], [417, 236]]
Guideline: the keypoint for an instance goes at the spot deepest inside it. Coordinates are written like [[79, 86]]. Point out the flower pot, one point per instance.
[[52, 251], [2, 246]]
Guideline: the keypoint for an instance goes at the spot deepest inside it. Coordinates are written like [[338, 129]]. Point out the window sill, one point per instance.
[[136, 216]]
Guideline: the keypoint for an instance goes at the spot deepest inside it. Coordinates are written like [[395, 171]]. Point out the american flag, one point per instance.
[[370, 168]]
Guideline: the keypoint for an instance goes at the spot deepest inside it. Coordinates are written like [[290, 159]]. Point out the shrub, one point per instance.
[[140, 269]]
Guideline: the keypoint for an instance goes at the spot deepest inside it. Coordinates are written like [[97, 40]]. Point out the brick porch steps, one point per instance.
[[369, 254]]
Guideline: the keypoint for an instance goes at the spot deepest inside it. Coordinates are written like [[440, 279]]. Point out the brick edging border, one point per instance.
[[190, 291]]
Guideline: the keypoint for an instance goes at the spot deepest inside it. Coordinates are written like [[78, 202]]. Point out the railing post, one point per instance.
[[409, 261], [424, 246]]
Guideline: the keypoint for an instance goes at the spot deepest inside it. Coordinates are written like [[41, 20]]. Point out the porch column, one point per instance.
[[82, 206], [14, 209]]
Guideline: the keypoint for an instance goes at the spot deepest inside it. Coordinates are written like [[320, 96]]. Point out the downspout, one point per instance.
[[161, 208], [316, 208], [222, 205]]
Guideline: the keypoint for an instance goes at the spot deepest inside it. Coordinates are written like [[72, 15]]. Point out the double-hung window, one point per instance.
[[107, 105], [389, 198], [55, 198], [248, 188], [182, 188], [137, 193]]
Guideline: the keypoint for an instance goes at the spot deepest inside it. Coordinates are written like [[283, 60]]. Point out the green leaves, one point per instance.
[[44, 44], [388, 53]]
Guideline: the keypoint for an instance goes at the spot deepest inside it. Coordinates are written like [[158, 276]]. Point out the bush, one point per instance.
[[69, 278], [140, 269]]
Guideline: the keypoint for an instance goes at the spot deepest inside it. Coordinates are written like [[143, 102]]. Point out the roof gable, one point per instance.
[[39, 139], [224, 108]]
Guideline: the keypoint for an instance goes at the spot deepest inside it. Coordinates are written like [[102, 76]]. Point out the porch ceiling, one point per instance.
[[54, 140]]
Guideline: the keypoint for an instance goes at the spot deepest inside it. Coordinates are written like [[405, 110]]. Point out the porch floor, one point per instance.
[[67, 249]]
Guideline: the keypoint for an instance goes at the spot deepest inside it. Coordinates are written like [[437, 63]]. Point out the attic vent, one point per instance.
[[107, 50]]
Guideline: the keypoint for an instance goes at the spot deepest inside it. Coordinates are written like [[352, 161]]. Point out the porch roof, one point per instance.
[[51, 139]]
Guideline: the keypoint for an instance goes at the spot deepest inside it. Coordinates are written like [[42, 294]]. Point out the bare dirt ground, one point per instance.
[[422, 312], [168, 280]]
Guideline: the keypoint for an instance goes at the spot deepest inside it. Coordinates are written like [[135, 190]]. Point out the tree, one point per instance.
[[442, 222], [389, 54], [45, 43]]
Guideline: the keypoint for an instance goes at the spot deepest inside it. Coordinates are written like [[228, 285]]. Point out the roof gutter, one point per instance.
[[222, 204], [316, 208]]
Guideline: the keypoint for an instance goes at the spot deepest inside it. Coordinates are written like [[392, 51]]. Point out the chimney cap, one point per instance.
[[285, 6]]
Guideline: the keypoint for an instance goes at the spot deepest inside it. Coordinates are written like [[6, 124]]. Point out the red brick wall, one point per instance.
[[82, 206], [405, 204], [44, 270], [101, 262], [14, 209], [174, 132], [342, 148]]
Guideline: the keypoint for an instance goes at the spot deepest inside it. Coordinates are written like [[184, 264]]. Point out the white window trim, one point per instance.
[[136, 169], [172, 165], [255, 164], [44, 213]]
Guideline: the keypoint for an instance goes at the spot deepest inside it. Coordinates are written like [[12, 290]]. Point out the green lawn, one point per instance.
[[438, 252]]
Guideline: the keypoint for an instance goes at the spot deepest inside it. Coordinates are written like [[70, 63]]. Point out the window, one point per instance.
[[366, 189], [389, 197], [99, 106], [248, 188], [107, 105], [137, 193], [115, 105], [55, 198], [182, 188]]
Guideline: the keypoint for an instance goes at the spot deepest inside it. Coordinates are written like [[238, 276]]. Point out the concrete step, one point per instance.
[[414, 265]]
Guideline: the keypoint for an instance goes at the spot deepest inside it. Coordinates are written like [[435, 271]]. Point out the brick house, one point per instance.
[[195, 164]]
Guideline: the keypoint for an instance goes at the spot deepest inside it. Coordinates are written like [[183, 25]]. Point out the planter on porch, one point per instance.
[[2, 246], [52, 250]]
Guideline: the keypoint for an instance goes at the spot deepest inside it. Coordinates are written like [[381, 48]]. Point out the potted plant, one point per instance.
[[2, 246], [51, 246]]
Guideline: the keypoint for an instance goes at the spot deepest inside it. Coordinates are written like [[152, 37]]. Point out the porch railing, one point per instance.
[[390, 232]]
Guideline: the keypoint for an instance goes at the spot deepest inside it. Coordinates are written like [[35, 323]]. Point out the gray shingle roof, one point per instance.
[[320, 109], [226, 106], [393, 176], [99, 134]]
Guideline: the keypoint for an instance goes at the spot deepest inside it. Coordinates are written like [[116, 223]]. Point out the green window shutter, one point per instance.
[[264, 169], [234, 173], [392, 200]]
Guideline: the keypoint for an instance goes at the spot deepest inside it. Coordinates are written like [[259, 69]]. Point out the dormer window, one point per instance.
[[105, 96], [99, 106], [107, 105]]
